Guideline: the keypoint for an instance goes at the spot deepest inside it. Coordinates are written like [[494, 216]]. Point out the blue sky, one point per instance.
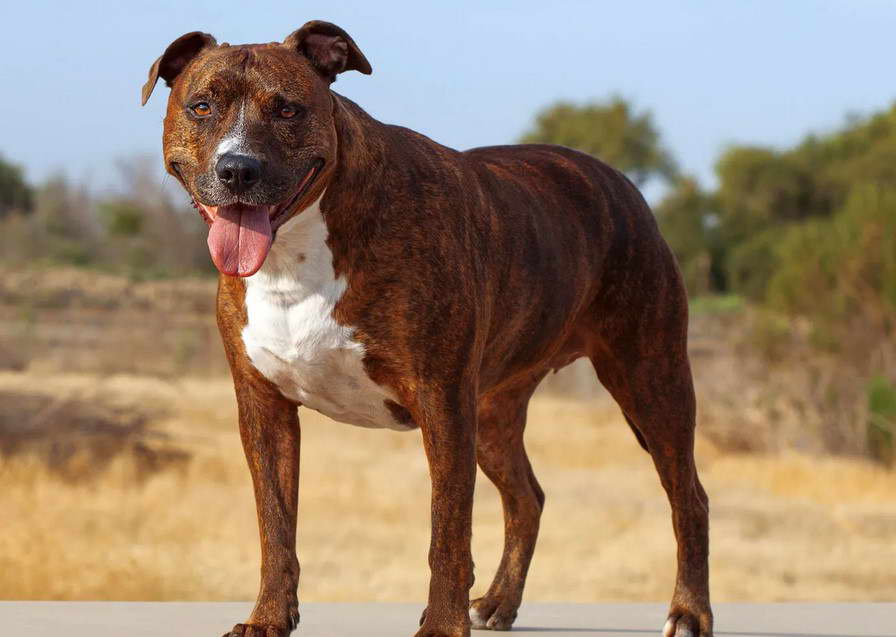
[[466, 73]]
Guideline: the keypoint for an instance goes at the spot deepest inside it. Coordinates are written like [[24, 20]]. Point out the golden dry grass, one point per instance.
[[785, 527]]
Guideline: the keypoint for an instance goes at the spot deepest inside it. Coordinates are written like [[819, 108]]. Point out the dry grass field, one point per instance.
[[122, 477], [785, 527]]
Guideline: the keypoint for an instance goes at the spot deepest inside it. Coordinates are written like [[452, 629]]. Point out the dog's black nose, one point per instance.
[[238, 172]]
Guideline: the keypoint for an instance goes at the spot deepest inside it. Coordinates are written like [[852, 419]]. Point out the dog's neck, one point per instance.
[[362, 154], [354, 192]]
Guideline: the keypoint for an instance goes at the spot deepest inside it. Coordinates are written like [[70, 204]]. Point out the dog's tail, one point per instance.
[[637, 433]]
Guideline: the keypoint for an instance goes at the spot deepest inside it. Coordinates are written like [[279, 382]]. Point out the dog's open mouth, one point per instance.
[[240, 234]]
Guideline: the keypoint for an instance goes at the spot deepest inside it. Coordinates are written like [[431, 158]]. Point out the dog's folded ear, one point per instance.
[[330, 49], [175, 59]]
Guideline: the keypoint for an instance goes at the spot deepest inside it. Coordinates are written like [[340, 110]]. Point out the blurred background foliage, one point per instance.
[[142, 229], [798, 243]]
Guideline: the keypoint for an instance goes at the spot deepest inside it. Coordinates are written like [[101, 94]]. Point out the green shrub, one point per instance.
[[752, 263], [842, 270], [121, 218], [881, 426]]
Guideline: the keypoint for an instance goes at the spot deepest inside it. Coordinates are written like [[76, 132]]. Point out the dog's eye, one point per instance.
[[201, 109], [287, 111]]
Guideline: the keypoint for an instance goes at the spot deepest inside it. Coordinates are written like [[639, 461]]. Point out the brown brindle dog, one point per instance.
[[385, 280]]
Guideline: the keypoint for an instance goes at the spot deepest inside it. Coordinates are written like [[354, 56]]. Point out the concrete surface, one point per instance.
[[188, 619]]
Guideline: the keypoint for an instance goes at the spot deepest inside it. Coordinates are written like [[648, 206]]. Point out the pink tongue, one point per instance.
[[240, 238]]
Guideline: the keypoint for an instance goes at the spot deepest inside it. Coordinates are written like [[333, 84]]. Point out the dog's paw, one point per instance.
[[263, 630], [492, 614], [682, 623], [460, 630], [252, 629]]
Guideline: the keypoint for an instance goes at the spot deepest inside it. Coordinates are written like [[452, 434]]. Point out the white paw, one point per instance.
[[477, 620], [669, 630]]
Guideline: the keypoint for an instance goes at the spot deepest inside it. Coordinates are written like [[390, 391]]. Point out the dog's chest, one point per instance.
[[292, 338]]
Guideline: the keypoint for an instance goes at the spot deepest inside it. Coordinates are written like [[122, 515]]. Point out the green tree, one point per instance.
[[688, 220], [15, 193], [850, 258], [775, 206], [611, 131], [760, 187]]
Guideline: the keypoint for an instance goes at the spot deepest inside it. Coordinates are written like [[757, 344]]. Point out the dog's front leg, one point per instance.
[[269, 428], [449, 437]]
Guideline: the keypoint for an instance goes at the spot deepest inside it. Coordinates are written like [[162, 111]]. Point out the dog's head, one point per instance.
[[250, 133]]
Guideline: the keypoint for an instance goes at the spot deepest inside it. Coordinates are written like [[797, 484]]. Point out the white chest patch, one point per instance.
[[292, 338]]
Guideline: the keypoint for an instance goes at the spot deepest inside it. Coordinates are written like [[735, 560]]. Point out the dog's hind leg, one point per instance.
[[502, 456], [653, 386]]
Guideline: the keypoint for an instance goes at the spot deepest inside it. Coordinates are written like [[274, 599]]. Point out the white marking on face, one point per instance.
[[292, 338], [235, 139]]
